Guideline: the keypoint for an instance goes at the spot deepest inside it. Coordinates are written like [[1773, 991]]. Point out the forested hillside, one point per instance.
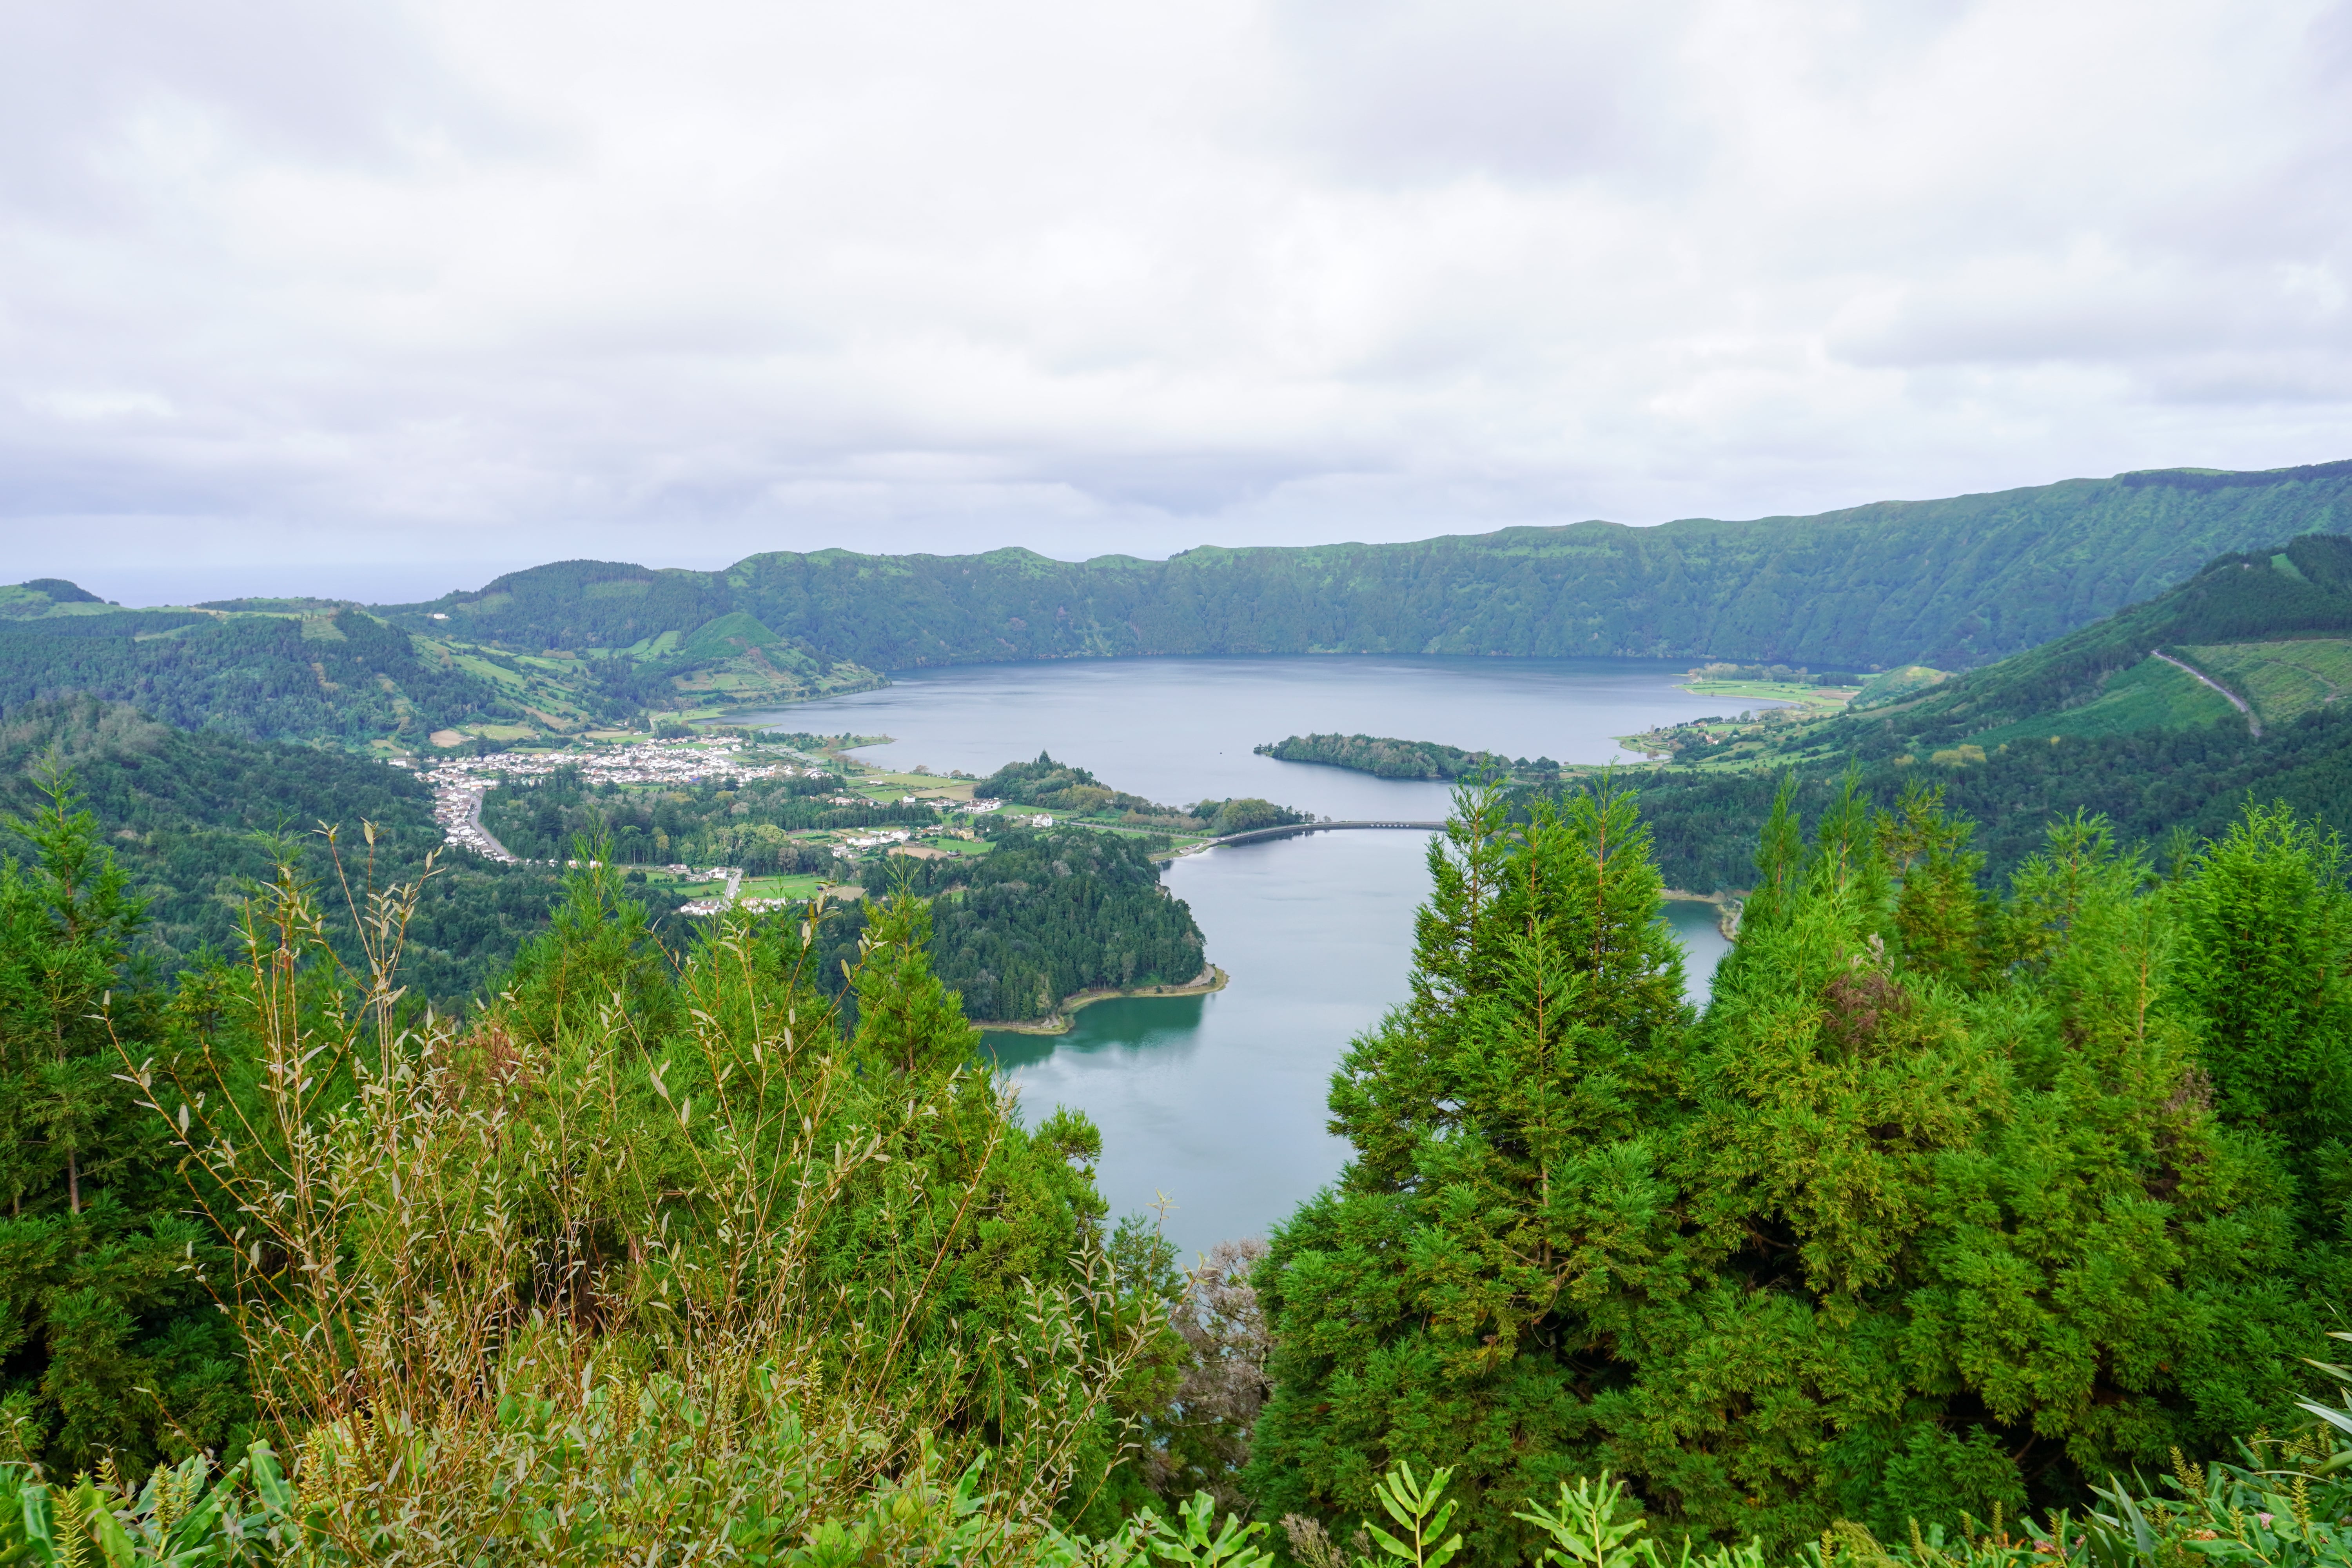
[[197, 819], [2112, 720], [751, 825], [1946, 582], [1039, 919], [2299, 589], [341, 676], [310, 670], [2148, 784]]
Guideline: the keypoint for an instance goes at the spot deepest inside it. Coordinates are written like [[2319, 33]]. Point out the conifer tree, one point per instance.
[[1930, 1213], [2266, 967], [1424, 1305], [108, 1344]]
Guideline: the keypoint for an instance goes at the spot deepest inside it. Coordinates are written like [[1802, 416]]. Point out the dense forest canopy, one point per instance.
[[1386, 757], [194, 819], [1045, 916], [1952, 1201], [1946, 582]]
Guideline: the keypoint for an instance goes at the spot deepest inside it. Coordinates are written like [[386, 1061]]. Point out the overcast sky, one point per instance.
[[381, 299]]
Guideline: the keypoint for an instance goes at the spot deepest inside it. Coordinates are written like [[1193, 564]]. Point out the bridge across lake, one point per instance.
[[1257, 834]]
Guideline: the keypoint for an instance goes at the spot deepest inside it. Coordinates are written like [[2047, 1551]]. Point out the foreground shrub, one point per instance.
[[649, 1259]]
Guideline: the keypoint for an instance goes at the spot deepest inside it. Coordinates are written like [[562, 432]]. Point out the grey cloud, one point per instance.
[[340, 287], [1392, 90]]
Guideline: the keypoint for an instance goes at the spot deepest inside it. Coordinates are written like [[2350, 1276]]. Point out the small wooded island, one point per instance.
[[1385, 756]]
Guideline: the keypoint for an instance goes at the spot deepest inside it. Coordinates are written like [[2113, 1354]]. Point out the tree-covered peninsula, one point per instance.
[[1388, 758], [1043, 916], [1059, 786]]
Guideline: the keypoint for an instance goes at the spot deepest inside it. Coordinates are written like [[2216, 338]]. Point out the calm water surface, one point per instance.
[[1181, 730], [1215, 1105]]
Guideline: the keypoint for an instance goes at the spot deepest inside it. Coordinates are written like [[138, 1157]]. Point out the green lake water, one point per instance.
[[1216, 1103], [1212, 1107]]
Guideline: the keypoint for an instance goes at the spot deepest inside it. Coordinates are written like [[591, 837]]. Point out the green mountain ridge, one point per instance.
[[2302, 591], [1951, 583], [563, 648], [2111, 719]]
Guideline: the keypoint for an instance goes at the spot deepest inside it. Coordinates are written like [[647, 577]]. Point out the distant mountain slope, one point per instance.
[[2235, 620], [342, 676], [324, 672], [189, 817], [1948, 583], [2112, 719], [43, 597]]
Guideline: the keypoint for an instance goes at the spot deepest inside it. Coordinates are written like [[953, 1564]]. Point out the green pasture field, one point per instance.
[[782, 887], [686, 887], [967, 846], [2150, 694], [1814, 698], [2281, 680]]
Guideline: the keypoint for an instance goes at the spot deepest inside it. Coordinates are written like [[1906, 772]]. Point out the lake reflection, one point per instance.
[[1180, 729], [1216, 1103]]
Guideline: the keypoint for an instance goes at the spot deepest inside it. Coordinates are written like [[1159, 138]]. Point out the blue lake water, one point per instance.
[[1212, 1107]]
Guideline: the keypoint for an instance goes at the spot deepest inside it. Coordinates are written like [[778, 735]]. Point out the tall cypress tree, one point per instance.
[[1424, 1303], [2266, 934]]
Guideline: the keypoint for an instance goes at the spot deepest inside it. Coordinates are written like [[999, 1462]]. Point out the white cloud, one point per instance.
[[312, 284]]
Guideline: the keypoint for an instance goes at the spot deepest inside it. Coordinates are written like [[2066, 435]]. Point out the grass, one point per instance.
[[1814, 699], [2150, 694], [686, 887], [782, 887], [2281, 680]]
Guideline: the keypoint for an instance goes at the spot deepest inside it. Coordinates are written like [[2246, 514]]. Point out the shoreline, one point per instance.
[[1059, 1020], [1727, 908]]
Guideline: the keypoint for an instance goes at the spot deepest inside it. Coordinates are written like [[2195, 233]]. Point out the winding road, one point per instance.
[[1259, 834], [2233, 697]]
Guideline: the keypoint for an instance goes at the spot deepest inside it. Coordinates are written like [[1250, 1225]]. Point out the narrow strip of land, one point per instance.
[[2233, 697], [1258, 834], [1059, 1022]]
